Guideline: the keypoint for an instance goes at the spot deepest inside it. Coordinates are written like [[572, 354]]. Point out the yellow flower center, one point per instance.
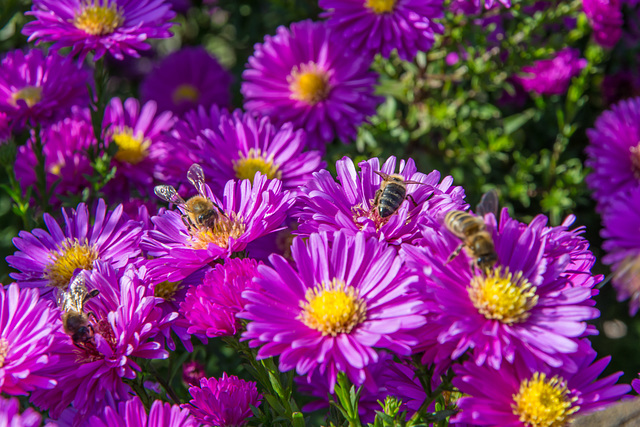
[[246, 167], [503, 296], [185, 92], [543, 402], [56, 168], [4, 350], [381, 6], [332, 308], [308, 83], [98, 18], [166, 290], [70, 256], [131, 149], [225, 229], [29, 94]]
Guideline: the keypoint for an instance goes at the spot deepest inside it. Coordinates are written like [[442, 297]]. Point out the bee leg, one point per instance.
[[455, 253], [410, 197]]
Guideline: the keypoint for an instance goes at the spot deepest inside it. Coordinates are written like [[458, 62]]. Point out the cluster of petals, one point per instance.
[[552, 76], [10, 414], [605, 17], [133, 414]]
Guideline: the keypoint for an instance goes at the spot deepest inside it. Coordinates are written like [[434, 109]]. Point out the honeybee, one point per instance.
[[391, 194], [201, 211], [471, 229], [74, 320]]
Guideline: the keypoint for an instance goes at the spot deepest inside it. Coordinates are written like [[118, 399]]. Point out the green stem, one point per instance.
[[41, 173]]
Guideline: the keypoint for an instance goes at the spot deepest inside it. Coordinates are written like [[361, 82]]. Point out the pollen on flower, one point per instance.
[[166, 290], [98, 18], [70, 256], [544, 402], [361, 213], [87, 352], [132, 148], [31, 95], [4, 350], [635, 160], [381, 6], [332, 308], [308, 83], [503, 296], [255, 161], [225, 229], [185, 92]]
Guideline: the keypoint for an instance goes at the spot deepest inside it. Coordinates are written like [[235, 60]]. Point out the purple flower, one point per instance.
[[10, 415], [249, 210], [304, 76], [187, 79], [132, 414], [552, 76], [223, 402], [36, 89], [605, 17], [380, 26], [193, 372], [534, 393], [532, 302], [614, 151], [126, 321], [348, 205], [26, 341], [348, 296], [211, 306], [120, 27], [48, 260]]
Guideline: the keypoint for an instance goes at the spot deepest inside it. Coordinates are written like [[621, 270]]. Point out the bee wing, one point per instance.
[[168, 194], [488, 203], [196, 177]]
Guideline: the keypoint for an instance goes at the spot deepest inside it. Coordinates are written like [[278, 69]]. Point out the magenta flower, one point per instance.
[[304, 76], [211, 306], [48, 260], [223, 402], [348, 205], [120, 27], [37, 90], [375, 26], [10, 415], [132, 414], [534, 393], [552, 76], [186, 79], [193, 372], [344, 300], [605, 17]]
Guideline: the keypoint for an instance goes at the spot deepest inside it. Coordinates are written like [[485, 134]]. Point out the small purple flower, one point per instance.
[[132, 414], [37, 90], [534, 393], [348, 205], [347, 296], [10, 415], [26, 341], [605, 16], [120, 27], [380, 26], [304, 76], [223, 402], [187, 79], [211, 306], [552, 76], [193, 372]]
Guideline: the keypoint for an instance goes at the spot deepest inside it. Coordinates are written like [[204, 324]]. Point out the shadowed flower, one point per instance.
[[133, 414], [120, 27], [552, 76], [347, 297], [303, 76], [186, 79], [10, 415], [192, 372], [380, 26], [605, 17]]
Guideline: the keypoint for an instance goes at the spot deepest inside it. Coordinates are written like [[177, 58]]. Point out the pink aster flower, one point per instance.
[[133, 414], [530, 303], [552, 76], [346, 297], [348, 205], [533, 393], [48, 260], [223, 402], [211, 306], [187, 79], [614, 151], [120, 27], [304, 76], [36, 89], [10, 415], [605, 17], [380, 26], [26, 341], [127, 318], [248, 211]]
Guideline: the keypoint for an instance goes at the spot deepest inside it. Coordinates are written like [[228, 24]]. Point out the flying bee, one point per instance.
[[202, 212], [74, 320], [476, 240], [391, 194]]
